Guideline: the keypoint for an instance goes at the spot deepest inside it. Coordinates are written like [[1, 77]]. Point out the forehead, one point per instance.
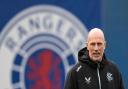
[[96, 38]]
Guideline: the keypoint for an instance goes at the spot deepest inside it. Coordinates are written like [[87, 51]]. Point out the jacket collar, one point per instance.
[[84, 58]]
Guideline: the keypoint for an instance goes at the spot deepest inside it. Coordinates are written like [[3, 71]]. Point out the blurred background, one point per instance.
[[109, 15]]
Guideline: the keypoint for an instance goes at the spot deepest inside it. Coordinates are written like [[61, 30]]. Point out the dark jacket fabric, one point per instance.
[[89, 75]]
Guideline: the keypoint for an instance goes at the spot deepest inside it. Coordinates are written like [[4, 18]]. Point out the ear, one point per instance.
[[104, 45], [87, 45]]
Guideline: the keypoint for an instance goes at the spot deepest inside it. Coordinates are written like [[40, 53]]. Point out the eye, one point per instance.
[[92, 44], [99, 44]]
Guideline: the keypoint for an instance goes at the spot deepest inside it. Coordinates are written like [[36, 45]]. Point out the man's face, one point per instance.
[[96, 46]]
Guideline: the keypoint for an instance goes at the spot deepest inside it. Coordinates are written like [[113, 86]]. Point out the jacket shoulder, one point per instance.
[[71, 81], [75, 68], [112, 65]]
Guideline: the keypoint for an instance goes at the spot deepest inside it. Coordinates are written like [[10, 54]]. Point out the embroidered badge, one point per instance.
[[109, 77], [88, 80]]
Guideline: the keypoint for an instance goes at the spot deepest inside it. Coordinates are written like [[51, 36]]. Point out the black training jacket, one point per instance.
[[89, 75]]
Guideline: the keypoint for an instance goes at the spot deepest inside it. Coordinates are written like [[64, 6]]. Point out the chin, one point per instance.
[[97, 59]]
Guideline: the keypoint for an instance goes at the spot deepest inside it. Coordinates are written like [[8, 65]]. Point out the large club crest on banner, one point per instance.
[[38, 47]]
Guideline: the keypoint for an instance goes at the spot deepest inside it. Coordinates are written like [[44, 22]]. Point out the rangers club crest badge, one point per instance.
[[38, 46]]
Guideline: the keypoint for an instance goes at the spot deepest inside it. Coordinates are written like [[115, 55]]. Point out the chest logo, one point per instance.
[[88, 80], [109, 77]]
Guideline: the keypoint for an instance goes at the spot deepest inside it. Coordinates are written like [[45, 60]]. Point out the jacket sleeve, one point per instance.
[[70, 82], [121, 84]]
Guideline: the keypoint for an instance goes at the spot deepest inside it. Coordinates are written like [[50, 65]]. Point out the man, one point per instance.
[[93, 70]]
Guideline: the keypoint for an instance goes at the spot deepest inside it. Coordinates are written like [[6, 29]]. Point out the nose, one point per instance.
[[96, 47]]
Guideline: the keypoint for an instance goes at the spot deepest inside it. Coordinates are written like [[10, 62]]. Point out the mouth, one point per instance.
[[96, 54]]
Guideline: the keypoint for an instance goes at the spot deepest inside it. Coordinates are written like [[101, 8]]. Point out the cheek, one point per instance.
[[90, 51], [89, 48], [102, 49]]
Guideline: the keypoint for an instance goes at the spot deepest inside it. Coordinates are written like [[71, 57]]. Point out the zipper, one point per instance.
[[98, 67]]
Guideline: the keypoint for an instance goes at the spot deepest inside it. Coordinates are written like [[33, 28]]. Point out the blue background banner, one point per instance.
[[88, 11], [106, 15]]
